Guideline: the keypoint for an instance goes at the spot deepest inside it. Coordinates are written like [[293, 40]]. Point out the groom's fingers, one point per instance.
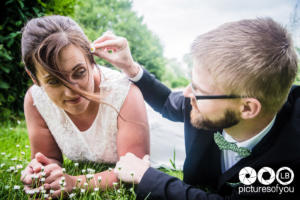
[[111, 44], [105, 37]]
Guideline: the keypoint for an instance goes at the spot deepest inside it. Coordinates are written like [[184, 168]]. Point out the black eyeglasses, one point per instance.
[[201, 97]]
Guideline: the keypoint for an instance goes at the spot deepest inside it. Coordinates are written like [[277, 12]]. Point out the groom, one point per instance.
[[241, 115]]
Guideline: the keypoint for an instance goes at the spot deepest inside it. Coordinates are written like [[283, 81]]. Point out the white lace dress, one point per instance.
[[98, 143]]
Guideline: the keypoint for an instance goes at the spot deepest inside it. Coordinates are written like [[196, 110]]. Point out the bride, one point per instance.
[[75, 107]]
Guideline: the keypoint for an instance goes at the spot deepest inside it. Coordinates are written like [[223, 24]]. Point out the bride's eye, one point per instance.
[[53, 81], [80, 73]]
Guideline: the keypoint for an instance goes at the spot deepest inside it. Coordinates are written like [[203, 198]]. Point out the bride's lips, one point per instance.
[[74, 101]]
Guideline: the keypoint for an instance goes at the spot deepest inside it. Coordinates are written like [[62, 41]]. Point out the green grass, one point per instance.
[[15, 155]]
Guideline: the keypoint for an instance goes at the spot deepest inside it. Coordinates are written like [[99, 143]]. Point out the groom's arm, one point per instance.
[[158, 185], [161, 98]]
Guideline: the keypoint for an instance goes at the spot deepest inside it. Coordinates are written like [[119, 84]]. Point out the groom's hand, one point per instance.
[[131, 168], [116, 50]]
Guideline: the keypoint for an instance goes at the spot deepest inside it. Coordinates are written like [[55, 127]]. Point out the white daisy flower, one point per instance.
[[91, 171], [132, 174], [19, 166], [37, 190], [72, 195], [96, 189], [29, 192], [89, 176], [82, 190], [17, 187], [99, 179], [76, 164], [92, 48], [115, 183]]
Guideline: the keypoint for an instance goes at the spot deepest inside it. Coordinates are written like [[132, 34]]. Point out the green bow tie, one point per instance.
[[225, 145]]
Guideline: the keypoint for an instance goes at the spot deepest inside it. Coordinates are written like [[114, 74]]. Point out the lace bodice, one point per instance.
[[98, 143]]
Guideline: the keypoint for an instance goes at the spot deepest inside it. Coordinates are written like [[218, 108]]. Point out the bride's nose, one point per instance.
[[68, 91]]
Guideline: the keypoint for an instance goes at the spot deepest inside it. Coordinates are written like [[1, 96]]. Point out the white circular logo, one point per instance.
[[247, 175], [263, 171], [285, 178]]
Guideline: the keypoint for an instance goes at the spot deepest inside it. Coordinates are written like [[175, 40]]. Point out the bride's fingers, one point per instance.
[[52, 186], [54, 176], [56, 193], [48, 170]]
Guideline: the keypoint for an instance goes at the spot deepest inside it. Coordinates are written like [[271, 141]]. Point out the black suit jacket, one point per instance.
[[202, 167]]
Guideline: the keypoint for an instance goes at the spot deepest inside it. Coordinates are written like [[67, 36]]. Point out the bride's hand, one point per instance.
[[116, 50], [53, 178], [35, 166], [57, 181]]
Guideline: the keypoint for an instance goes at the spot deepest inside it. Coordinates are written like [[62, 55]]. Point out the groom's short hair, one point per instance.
[[253, 58]]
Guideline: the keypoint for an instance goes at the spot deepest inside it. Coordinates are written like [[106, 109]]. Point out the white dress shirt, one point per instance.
[[139, 75], [230, 158]]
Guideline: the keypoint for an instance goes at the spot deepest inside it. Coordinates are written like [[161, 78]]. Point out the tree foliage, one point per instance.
[[13, 81], [96, 17]]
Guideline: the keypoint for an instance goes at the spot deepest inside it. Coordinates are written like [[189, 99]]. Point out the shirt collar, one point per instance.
[[251, 142]]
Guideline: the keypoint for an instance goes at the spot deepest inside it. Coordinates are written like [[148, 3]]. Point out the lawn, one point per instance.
[[15, 155]]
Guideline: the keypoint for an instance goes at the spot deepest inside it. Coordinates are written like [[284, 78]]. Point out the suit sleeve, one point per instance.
[[161, 98], [156, 185]]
